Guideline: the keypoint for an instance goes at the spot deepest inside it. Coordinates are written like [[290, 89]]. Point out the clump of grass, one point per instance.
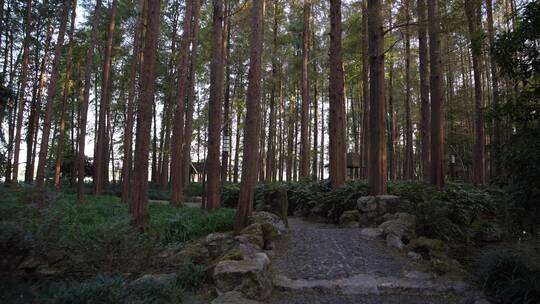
[[509, 277], [112, 289]]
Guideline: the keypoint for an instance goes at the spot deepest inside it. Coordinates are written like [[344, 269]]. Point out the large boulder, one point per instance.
[[372, 207], [367, 204], [248, 276], [398, 228], [348, 218]]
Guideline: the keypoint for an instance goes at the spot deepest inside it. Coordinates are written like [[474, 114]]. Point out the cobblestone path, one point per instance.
[[323, 264]]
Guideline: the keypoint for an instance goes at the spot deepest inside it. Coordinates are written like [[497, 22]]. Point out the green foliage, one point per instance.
[[508, 277], [183, 224], [193, 189], [518, 56]]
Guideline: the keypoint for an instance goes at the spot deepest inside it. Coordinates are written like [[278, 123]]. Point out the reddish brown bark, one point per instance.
[[214, 109], [127, 166], [81, 159], [495, 92], [188, 130], [102, 144], [425, 134], [473, 12], [22, 87], [51, 93], [377, 114], [37, 91], [409, 156], [337, 136], [304, 134], [271, 148], [138, 206], [177, 184], [437, 95], [251, 130], [65, 95]]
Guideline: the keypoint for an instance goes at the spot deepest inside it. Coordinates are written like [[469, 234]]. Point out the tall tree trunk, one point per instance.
[[22, 87], [51, 92], [365, 90], [188, 130], [251, 130], [437, 97], [81, 159], [473, 12], [138, 207], [337, 136], [127, 167], [65, 96], [271, 148], [425, 134], [315, 161], [226, 50], [495, 91], [177, 184], [377, 114], [37, 91], [392, 127], [214, 109], [102, 144], [409, 156], [304, 148]]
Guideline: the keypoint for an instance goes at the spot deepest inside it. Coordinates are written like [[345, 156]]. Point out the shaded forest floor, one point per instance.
[[67, 252]]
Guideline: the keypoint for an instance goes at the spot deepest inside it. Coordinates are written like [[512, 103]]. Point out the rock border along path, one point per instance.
[[321, 263]]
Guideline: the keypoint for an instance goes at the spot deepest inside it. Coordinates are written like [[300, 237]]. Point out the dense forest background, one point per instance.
[[74, 85]]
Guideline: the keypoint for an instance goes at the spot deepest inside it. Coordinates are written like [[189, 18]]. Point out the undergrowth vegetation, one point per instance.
[[67, 242]]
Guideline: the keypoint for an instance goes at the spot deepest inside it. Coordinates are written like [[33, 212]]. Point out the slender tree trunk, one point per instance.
[[271, 149], [392, 127], [437, 97], [338, 146], [409, 155], [251, 130], [102, 143], [215, 108], [365, 91], [495, 91], [377, 142], [37, 90], [51, 92], [188, 130], [138, 207], [177, 184], [304, 148], [425, 134], [22, 87], [315, 161], [81, 159], [127, 167], [226, 50], [473, 12], [65, 96]]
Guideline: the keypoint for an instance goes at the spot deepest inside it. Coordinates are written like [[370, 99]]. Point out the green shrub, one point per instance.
[[508, 277], [193, 189], [15, 245]]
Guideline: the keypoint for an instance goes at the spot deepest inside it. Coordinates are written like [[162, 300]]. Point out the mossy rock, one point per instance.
[[233, 254], [421, 243]]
